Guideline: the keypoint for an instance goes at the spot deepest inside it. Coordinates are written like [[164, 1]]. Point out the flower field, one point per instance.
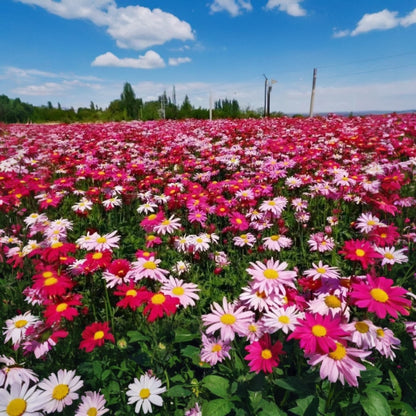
[[229, 267]]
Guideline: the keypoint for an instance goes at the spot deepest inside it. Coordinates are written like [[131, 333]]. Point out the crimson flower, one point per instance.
[[61, 308], [97, 260], [50, 283], [133, 296], [94, 335], [360, 250], [379, 296], [263, 355], [160, 304]]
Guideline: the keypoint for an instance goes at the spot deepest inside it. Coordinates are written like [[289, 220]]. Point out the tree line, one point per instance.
[[127, 107]]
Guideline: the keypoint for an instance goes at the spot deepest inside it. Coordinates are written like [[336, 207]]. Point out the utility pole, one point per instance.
[[267, 91], [265, 96], [313, 92]]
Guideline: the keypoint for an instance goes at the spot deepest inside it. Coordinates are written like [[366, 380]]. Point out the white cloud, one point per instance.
[[234, 7], [382, 20], [376, 21], [48, 88], [291, 7], [149, 60], [179, 61], [133, 27]]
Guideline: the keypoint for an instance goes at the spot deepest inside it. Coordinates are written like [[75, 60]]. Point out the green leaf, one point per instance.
[[191, 352], [136, 336], [177, 391], [396, 386], [406, 409], [184, 335], [216, 385], [375, 404], [217, 407], [307, 406], [270, 409]]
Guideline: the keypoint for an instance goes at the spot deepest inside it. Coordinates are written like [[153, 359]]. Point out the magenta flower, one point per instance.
[[378, 296], [318, 334], [263, 355]]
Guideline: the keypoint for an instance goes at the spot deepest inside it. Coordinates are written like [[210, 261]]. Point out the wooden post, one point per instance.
[[313, 92]]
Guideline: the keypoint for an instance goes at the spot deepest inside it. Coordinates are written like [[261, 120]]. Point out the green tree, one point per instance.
[[186, 108], [129, 104]]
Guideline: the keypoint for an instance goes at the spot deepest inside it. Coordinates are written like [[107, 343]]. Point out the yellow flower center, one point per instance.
[[158, 299], [151, 217], [98, 335], [51, 281], [360, 252], [266, 354], [216, 348], [319, 330], [20, 323], [238, 221], [383, 235], [252, 328], [57, 244], [228, 319], [92, 411], [362, 327], [284, 319], [270, 274], [179, 290], [339, 353], [380, 333], [150, 265], [371, 222], [166, 222], [144, 393], [16, 407], [332, 301], [379, 295], [321, 270], [62, 307], [275, 237], [271, 203], [101, 240], [97, 255], [131, 292], [389, 256], [60, 391], [47, 274], [150, 237]]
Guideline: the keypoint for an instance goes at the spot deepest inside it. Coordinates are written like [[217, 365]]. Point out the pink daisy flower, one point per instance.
[[318, 334], [214, 350], [271, 277], [263, 355], [386, 342], [229, 319], [379, 296], [185, 292], [277, 242], [340, 364], [149, 268], [322, 270]]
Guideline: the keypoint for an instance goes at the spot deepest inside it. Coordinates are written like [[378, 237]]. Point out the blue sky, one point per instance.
[[77, 51]]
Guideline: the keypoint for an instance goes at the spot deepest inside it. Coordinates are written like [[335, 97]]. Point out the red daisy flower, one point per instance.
[[384, 235], [58, 251], [159, 304], [94, 335], [239, 221], [379, 296], [318, 334], [263, 355], [61, 308], [360, 250], [52, 283], [97, 260], [119, 267], [133, 296]]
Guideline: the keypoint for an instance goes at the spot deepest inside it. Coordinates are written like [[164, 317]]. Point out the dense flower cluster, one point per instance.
[[138, 222]]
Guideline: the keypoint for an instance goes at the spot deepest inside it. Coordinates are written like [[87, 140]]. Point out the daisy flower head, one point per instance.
[[12, 372], [116, 272], [281, 318], [360, 250], [362, 333], [147, 268], [185, 292], [145, 392], [271, 277], [259, 301], [263, 355], [160, 304], [246, 239], [214, 350], [104, 242], [329, 303], [181, 267], [95, 335], [92, 404], [378, 295], [391, 255], [321, 242], [20, 400], [132, 296], [366, 222], [386, 342], [322, 270], [16, 327], [167, 225], [276, 242], [340, 364], [60, 390], [238, 221], [317, 333], [274, 206], [229, 319], [200, 242]]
